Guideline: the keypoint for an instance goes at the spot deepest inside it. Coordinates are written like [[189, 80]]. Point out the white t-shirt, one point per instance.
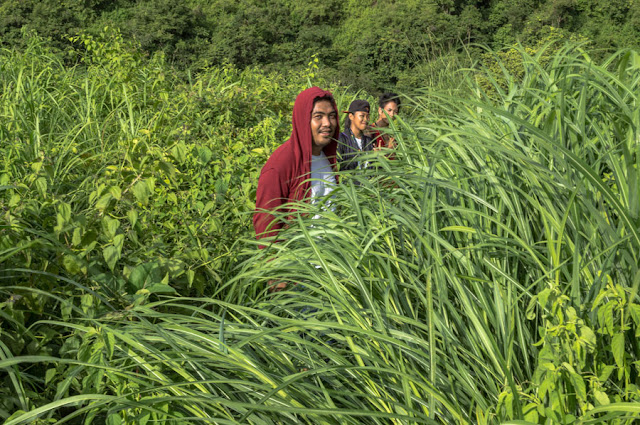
[[359, 142], [323, 180]]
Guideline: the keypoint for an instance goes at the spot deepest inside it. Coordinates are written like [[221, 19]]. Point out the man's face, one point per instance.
[[359, 120], [390, 108], [324, 121]]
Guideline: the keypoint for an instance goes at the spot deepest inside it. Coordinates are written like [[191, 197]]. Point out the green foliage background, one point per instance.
[[488, 274], [370, 44]]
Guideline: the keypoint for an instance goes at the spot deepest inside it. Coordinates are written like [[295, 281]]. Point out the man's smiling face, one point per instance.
[[324, 121]]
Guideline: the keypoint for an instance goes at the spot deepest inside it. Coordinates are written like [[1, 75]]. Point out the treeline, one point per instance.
[[368, 43]]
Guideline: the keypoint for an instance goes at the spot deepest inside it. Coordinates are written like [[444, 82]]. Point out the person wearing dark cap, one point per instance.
[[388, 107], [355, 138]]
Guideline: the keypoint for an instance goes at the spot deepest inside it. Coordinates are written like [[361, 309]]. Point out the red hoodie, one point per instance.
[[284, 178]]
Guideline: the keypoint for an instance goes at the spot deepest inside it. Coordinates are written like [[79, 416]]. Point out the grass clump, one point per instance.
[[488, 274]]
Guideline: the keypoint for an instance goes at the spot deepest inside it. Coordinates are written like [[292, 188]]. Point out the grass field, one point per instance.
[[488, 274]]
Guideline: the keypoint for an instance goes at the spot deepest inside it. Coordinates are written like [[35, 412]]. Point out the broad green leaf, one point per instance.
[[110, 226], [605, 373], [132, 215], [116, 192], [602, 399], [114, 419], [15, 200], [578, 385], [204, 155], [118, 241], [36, 166], [49, 375], [73, 264], [617, 348], [141, 192], [41, 185], [103, 202], [588, 337], [111, 255], [160, 288], [64, 211], [145, 275], [543, 296], [179, 152], [76, 240]]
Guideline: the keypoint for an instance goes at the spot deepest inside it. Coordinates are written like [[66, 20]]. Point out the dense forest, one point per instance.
[[485, 271], [365, 43]]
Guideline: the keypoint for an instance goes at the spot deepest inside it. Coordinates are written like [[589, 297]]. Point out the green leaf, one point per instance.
[[29, 417], [587, 337], [204, 155], [607, 316], [41, 185], [73, 264], [64, 211], [606, 371], [110, 226], [103, 202], [144, 417], [49, 375], [141, 192], [617, 348], [114, 419], [145, 275], [118, 241], [530, 313], [109, 342], [15, 200], [578, 385], [76, 240], [132, 215], [543, 296], [160, 288], [111, 255], [179, 152], [221, 187], [116, 192], [602, 399], [168, 168]]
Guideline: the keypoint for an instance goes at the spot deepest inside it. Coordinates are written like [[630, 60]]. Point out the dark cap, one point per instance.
[[358, 105]]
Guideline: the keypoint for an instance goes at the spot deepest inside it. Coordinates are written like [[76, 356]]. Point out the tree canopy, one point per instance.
[[367, 43]]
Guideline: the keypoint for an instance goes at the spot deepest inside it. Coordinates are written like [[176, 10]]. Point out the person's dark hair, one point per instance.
[[347, 123], [389, 97], [318, 99]]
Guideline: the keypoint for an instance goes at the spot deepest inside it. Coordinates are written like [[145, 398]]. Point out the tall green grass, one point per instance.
[[488, 274]]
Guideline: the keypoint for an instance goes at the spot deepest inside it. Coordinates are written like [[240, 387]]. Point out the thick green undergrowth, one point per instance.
[[487, 273]]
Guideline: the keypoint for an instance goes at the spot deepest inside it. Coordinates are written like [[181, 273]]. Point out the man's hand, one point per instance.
[[275, 286]]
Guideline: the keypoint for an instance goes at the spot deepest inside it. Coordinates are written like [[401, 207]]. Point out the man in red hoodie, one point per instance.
[[309, 152]]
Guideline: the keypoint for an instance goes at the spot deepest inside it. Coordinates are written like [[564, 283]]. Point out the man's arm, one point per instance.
[[271, 194], [345, 152]]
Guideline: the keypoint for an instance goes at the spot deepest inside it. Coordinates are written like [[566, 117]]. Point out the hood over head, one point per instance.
[[301, 138]]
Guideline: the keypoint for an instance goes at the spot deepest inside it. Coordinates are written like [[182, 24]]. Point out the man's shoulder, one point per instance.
[[281, 159]]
